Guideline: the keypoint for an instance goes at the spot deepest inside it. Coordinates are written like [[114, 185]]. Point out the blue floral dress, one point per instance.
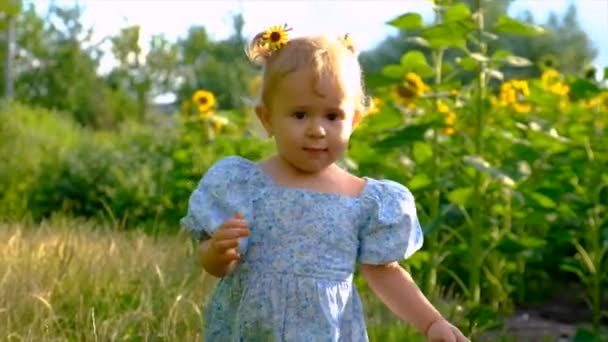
[[295, 279]]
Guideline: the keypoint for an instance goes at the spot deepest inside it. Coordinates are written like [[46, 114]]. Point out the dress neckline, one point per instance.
[[271, 183]]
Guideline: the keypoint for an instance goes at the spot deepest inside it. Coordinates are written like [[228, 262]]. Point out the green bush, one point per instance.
[[140, 174]]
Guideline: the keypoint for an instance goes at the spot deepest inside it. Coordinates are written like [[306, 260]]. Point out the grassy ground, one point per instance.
[[71, 281], [75, 281]]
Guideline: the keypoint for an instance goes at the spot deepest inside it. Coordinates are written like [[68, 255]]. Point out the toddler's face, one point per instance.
[[311, 126]]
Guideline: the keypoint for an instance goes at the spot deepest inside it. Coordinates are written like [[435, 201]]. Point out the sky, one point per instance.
[[364, 20]]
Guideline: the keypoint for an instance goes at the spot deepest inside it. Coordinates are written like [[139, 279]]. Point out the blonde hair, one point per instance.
[[325, 56]]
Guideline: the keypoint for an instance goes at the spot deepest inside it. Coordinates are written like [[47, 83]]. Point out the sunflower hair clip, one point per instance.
[[348, 42], [275, 37]]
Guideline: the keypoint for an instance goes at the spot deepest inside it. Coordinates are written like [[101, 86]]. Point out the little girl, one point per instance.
[[285, 234]]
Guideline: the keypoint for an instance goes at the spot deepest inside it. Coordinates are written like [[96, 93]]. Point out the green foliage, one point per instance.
[[138, 175], [507, 166]]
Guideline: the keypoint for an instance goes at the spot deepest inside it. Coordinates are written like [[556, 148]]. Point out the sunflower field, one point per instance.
[[509, 174]]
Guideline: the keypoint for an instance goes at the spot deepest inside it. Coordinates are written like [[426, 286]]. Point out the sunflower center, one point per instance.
[[275, 36], [203, 100], [406, 91]]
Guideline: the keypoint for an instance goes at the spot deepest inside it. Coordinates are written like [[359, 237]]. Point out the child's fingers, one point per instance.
[[234, 223], [230, 233], [222, 245], [230, 255]]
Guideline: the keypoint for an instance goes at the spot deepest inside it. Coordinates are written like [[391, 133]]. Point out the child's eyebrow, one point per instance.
[[335, 110]]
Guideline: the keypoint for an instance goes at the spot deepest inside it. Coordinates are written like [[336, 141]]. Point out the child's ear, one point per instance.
[[357, 118], [264, 116]]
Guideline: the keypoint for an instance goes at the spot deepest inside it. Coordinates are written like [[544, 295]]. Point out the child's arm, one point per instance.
[[219, 254], [398, 291]]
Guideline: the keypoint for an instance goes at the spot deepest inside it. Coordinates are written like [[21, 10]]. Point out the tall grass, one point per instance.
[[72, 280]]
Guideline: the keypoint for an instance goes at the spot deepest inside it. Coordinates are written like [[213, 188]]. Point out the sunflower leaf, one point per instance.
[[460, 196], [378, 80], [407, 21], [457, 12], [404, 136], [416, 62], [509, 25], [583, 89], [393, 71], [449, 34]]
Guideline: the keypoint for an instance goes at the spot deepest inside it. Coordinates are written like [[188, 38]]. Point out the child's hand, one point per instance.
[[443, 331], [225, 240]]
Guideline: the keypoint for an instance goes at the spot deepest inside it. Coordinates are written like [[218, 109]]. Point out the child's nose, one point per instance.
[[315, 129]]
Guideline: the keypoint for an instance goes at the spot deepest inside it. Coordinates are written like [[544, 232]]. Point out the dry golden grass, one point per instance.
[[75, 281]]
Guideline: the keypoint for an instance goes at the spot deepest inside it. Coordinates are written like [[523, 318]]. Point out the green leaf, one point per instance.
[[605, 73], [509, 25], [404, 136], [421, 180], [415, 61], [457, 12], [514, 244], [10, 8], [413, 57], [468, 63], [501, 54], [460, 196], [393, 71], [422, 152], [542, 200], [378, 80], [451, 34], [585, 335], [407, 21], [581, 89]]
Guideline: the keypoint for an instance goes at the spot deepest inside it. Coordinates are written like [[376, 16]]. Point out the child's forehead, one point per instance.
[[307, 83]]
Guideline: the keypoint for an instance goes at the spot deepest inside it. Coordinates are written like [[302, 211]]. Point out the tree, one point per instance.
[[220, 67], [8, 13], [56, 66], [565, 41]]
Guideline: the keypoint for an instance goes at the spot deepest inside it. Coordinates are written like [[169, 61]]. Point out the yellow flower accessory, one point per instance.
[[348, 42], [275, 37], [203, 100]]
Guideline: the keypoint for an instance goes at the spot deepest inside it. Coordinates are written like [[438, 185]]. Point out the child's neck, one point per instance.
[[330, 179], [283, 171]]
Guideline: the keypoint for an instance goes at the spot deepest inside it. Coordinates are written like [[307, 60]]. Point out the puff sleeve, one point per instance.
[[392, 231], [221, 193]]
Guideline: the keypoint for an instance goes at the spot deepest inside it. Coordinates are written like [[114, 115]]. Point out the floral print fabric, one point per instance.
[[294, 282]]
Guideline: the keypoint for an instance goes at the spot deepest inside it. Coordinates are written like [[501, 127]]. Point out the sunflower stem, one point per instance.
[[475, 233]]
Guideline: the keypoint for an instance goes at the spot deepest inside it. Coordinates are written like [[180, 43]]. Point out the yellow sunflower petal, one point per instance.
[[203, 100], [275, 37]]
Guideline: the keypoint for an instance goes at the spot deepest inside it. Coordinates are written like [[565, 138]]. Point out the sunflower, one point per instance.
[[275, 37], [348, 42], [442, 107], [551, 80], [410, 89], [203, 100], [373, 106], [513, 94]]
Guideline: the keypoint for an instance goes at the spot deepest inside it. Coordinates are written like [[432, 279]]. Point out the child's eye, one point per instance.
[[333, 116], [299, 115]]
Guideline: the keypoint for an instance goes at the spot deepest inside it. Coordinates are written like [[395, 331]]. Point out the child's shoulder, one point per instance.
[[386, 190], [230, 164], [230, 169]]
